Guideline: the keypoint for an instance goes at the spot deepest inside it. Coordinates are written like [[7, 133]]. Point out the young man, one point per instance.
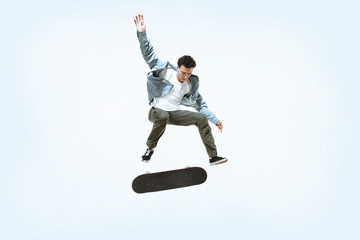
[[168, 87]]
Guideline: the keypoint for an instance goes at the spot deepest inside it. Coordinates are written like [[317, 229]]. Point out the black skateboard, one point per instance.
[[159, 181]]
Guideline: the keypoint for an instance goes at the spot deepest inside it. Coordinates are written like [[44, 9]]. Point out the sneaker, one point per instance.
[[217, 160], [146, 157]]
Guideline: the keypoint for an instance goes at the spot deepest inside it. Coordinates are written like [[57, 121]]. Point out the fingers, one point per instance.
[[220, 126], [139, 18]]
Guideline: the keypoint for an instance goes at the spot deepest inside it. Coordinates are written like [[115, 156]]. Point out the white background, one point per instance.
[[281, 75]]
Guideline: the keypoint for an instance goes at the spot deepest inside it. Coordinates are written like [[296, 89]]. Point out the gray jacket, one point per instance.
[[158, 86]]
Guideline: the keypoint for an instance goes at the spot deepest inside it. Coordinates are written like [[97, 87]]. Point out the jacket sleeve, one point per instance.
[[201, 107], [147, 51]]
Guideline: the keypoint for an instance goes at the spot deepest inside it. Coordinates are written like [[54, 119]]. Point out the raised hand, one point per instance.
[[140, 23]]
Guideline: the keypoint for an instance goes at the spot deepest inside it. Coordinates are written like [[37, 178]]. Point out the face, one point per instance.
[[183, 73]]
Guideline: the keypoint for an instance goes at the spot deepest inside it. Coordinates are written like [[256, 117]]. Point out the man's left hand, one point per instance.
[[220, 126]]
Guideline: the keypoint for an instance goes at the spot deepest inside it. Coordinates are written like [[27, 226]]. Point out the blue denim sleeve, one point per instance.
[[147, 51], [201, 107]]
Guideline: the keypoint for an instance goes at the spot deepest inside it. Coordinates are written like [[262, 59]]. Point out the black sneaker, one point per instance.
[[146, 157], [217, 160]]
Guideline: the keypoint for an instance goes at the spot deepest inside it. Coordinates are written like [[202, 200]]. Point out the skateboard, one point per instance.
[[159, 181]]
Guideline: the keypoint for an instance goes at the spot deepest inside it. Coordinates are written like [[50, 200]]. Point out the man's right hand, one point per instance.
[[140, 23]]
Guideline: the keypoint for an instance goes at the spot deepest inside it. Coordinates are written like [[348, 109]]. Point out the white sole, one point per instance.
[[219, 162]]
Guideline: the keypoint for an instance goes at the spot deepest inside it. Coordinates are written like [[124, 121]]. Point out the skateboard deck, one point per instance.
[[159, 181]]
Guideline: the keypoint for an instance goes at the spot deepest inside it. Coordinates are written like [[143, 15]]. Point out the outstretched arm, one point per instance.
[[202, 107], [146, 47]]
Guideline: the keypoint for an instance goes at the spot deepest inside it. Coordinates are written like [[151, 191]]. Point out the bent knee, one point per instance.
[[162, 116], [202, 119]]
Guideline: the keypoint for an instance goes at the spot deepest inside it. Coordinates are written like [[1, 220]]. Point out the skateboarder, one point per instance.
[[168, 87]]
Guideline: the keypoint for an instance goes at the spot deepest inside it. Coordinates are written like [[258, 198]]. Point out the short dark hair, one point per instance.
[[187, 61]]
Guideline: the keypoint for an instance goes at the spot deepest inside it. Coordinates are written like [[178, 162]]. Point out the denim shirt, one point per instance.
[[158, 86]]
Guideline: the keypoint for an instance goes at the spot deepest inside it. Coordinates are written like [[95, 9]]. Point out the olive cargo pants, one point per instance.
[[161, 118]]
